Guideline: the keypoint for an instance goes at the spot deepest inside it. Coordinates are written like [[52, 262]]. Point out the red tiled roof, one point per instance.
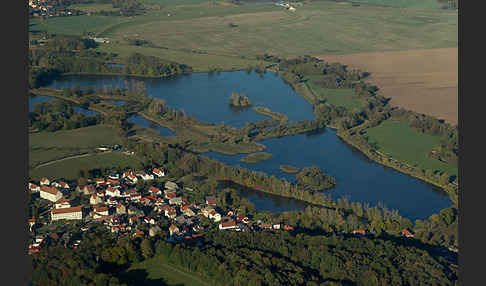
[[100, 209], [171, 195], [67, 210], [265, 225], [228, 224], [50, 190], [406, 232], [33, 186], [360, 231], [44, 179], [62, 200]]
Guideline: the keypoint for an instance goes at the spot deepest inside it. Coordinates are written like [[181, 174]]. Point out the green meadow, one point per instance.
[[406, 144]]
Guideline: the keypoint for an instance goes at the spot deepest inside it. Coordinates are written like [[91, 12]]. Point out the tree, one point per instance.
[[146, 248]]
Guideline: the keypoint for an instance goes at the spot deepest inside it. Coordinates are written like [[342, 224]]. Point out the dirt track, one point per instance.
[[425, 81]]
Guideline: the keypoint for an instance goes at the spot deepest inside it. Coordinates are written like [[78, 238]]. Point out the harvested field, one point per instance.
[[425, 81]]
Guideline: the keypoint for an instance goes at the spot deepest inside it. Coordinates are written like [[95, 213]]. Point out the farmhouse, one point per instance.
[[50, 193], [67, 213], [359, 231], [407, 233], [159, 173], [112, 192], [154, 191], [121, 209]]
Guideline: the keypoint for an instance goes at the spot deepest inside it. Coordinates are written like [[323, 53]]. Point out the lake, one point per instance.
[[33, 100], [359, 179]]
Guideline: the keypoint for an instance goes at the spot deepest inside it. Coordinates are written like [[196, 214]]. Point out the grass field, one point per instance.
[[415, 4], [86, 137], [256, 157], [403, 143], [177, 2], [94, 7], [156, 271], [75, 25], [344, 97], [49, 146], [69, 169], [425, 81]]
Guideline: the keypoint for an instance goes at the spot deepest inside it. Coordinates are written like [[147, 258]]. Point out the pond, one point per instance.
[[359, 179], [206, 96]]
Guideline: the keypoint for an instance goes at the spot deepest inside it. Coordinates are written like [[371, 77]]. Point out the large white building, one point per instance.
[[67, 213], [50, 193]]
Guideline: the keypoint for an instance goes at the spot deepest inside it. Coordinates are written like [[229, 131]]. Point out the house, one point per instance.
[[94, 200], [266, 226], [112, 192], [112, 201], [149, 220], [154, 191], [62, 203], [50, 193], [227, 225], [211, 200], [44, 182], [215, 216], [56, 184], [135, 197], [158, 173], [64, 185], [205, 211], [359, 232], [70, 213], [133, 220], [288, 227], [128, 193], [126, 174], [171, 186], [407, 233], [101, 210], [173, 229], [114, 176], [86, 189], [132, 178], [292, 9], [121, 209], [112, 182], [100, 194], [100, 182], [276, 226], [175, 201], [230, 213], [34, 188], [145, 176], [171, 212], [188, 212], [242, 218], [114, 221], [139, 233], [170, 195]]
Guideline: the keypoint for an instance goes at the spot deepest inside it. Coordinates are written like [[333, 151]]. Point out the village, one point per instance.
[[49, 8], [116, 203]]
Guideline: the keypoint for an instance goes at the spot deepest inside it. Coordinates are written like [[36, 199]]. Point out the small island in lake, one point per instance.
[[289, 169], [274, 115], [313, 178], [239, 100], [256, 157]]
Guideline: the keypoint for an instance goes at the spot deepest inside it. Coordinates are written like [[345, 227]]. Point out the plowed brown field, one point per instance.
[[425, 81]]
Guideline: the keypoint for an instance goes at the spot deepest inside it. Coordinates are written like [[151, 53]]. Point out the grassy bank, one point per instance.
[[289, 169], [274, 115]]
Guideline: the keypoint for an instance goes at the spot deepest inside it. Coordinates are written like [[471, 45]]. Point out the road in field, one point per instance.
[[425, 81]]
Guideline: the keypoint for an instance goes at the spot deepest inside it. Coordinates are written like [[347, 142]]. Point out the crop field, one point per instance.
[[69, 169], [403, 143], [156, 271], [315, 28], [425, 81]]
